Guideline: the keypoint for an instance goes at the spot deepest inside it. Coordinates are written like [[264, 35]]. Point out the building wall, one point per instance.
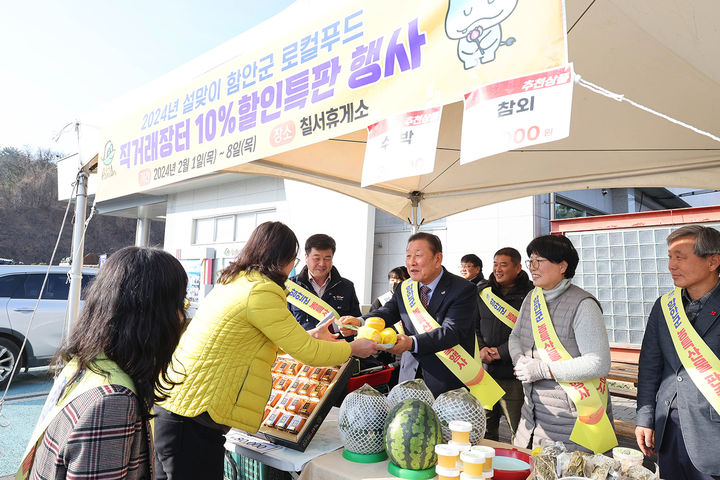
[[305, 208], [481, 231]]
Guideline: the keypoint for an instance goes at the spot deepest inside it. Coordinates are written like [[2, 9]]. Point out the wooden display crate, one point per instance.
[[283, 412]]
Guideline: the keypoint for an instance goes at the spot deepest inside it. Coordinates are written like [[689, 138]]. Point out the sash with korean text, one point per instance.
[[59, 397], [699, 361], [499, 307], [592, 429], [308, 302], [467, 369]]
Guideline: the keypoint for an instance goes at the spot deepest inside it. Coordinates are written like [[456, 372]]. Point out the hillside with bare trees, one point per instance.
[[31, 216]]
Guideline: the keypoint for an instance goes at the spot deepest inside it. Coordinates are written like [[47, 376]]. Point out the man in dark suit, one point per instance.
[[674, 417], [450, 301]]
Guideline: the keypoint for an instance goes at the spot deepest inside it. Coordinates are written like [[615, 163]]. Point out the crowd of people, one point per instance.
[[133, 356]]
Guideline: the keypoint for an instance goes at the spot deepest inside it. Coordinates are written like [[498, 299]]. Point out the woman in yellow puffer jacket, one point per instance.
[[224, 358]]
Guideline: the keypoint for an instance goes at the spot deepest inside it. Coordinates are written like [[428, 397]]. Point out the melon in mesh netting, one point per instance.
[[460, 405], [361, 421], [410, 389]]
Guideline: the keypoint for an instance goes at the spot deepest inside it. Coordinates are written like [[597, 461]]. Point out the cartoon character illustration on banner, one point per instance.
[[475, 24]]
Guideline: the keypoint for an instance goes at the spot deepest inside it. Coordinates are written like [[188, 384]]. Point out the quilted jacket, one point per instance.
[[224, 357]]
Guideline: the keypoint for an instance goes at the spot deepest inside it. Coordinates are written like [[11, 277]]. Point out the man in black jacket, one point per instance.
[[499, 299], [319, 276]]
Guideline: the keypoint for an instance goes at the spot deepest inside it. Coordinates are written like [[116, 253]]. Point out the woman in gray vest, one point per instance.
[[548, 414]]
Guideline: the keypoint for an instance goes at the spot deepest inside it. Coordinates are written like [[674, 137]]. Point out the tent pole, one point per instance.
[[142, 228], [414, 212], [78, 246]]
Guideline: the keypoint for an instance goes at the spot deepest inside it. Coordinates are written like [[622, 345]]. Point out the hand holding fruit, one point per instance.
[[403, 344], [364, 347]]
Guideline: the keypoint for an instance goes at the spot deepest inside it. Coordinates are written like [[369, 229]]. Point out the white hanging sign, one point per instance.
[[516, 113], [401, 146]]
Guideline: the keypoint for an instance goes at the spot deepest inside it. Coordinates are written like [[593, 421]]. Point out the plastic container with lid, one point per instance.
[[627, 457], [447, 455], [473, 462], [461, 447], [447, 473], [489, 454], [460, 431]]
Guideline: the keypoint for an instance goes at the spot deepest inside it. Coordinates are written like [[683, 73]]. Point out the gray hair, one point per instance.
[[707, 239]]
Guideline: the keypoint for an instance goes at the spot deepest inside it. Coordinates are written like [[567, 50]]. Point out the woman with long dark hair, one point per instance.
[[223, 360], [95, 421]]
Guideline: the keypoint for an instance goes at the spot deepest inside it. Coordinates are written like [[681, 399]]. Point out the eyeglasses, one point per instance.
[[535, 262], [466, 266]]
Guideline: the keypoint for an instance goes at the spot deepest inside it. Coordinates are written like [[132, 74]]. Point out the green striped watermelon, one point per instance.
[[412, 430]]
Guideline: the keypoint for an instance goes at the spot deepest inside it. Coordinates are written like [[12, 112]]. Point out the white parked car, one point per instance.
[[19, 291]]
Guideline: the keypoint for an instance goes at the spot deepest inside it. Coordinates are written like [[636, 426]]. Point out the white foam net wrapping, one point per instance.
[[460, 405], [361, 421], [410, 389]]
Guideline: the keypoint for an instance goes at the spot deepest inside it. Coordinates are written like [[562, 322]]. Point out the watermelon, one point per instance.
[[412, 430]]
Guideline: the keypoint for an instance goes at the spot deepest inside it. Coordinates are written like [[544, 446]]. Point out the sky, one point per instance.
[[62, 59]]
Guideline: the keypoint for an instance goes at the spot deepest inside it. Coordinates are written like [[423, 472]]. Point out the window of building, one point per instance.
[[627, 270], [229, 228]]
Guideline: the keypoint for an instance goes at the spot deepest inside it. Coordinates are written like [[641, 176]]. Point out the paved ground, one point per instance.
[[19, 413]]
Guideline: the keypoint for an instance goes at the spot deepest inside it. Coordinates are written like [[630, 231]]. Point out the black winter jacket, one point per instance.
[[340, 294], [492, 332]]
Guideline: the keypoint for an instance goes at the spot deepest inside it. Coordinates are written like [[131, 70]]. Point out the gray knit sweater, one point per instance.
[[590, 335]]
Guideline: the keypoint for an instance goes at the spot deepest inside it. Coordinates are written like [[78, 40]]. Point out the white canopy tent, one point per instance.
[[663, 54], [660, 53]]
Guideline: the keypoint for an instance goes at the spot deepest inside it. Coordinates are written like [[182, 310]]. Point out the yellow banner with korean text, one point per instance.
[[308, 302], [592, 428], [502, 310], [699, 360], [468, 369], [319, 70]]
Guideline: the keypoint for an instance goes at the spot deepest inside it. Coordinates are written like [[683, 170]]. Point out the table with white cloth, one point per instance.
[[322, 459], [333, 466], [326, 440]]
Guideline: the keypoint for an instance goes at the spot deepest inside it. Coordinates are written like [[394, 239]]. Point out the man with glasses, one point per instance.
[[321, 279], [471, 268]]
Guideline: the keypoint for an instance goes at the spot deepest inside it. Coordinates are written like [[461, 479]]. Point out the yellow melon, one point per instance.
[[375, 322], [388, 336], [369, 333]]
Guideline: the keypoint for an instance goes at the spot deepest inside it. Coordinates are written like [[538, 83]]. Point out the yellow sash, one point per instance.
[[499, 307], [466, 368], [592, 428], [54, 403], [699, 361], [308, 302]]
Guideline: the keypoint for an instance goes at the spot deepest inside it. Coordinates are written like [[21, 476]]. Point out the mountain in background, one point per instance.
[[31, 216]]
